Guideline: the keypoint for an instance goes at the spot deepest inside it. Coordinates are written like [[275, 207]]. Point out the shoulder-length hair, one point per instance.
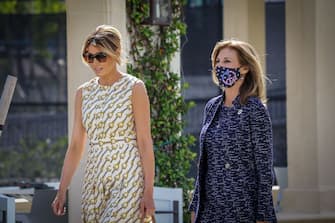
[[254, 80]]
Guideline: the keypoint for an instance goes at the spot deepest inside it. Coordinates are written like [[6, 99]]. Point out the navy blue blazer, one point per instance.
[[251, 162]]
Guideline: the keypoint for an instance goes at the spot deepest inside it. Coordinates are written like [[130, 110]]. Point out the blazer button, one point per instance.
[[227, 165]]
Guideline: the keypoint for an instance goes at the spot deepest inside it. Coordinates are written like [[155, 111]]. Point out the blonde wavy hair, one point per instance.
[[254, 81], [108, 38]]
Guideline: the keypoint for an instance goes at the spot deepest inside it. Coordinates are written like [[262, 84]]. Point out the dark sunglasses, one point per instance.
[[89, 57]]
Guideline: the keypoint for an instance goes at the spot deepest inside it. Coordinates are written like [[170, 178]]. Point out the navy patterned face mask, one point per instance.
[[227, 76]]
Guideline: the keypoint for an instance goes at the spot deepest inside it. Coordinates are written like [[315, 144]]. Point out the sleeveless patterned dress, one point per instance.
[[113, 181]]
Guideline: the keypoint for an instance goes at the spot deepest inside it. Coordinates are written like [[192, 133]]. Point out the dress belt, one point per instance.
[[112, 141]]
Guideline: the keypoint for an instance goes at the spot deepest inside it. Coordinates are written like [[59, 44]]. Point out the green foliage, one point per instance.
[[32, 7], [152, 49], [33, 159]]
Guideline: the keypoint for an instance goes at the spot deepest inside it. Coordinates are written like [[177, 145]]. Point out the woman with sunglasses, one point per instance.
[[112, 112]]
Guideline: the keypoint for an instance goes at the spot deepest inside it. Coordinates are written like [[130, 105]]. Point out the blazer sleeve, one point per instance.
[[262, 139]]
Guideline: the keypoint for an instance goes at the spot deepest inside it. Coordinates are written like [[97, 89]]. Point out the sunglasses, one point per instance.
[[89, 57]]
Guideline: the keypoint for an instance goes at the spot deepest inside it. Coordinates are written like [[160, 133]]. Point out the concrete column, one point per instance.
[[245, 20], [301, 107], [82, 18], [325, 84], [310, 107]]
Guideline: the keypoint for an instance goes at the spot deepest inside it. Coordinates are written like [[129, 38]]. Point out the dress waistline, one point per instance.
[[101, 142]]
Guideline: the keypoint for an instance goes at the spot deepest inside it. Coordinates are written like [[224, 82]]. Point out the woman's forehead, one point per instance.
[[93, 49], [227, 52]]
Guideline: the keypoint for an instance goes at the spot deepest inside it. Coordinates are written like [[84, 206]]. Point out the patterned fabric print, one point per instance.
[[235, 164], [215, 158], [113, 181]]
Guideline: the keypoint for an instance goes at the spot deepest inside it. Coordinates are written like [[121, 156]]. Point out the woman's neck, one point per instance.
[[110, 79], [230, 95]]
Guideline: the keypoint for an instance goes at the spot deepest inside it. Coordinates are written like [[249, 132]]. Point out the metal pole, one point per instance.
[[175, 212], [6, 98]]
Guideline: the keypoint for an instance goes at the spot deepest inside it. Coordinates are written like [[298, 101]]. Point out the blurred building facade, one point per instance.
[[33, 47]]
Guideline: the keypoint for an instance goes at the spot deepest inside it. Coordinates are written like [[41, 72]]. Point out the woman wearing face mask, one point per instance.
[[112, 112], [234, 181]]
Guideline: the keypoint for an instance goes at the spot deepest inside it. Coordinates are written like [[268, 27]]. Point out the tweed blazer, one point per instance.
[[251, 162]]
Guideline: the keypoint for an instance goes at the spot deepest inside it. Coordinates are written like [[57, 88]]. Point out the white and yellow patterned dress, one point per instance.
[[113, 182]]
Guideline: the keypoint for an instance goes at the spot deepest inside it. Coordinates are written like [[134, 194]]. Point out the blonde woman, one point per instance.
[[112, 112]]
